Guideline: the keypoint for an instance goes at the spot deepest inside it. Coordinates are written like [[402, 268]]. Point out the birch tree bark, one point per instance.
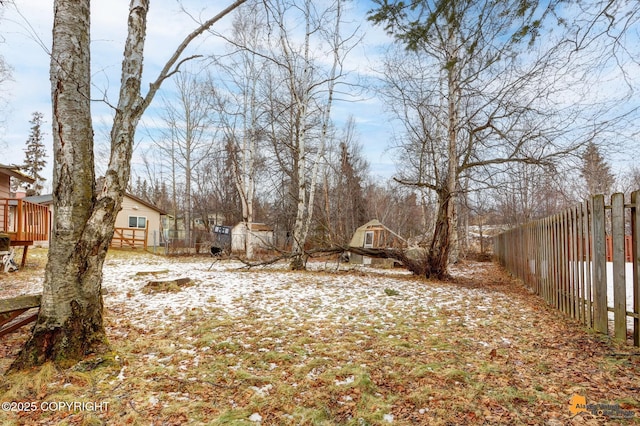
[[471, 89], [309, 90], [70, 323], [241, 109]]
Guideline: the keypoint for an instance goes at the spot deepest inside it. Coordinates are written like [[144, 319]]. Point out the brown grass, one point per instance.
[[515, 362]]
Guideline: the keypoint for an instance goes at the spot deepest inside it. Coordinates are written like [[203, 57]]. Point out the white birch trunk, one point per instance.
[[326, 118], [301, 92], [70, 325]]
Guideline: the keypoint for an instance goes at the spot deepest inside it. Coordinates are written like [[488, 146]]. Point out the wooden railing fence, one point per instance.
[[24, 221], [129, 237], [577, 261]]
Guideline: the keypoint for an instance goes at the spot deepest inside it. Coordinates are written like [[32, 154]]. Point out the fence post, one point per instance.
[[542, 266], [599, 278], [619, 275], [635, 258], [575, 291], [587, 207], [564, 265], [579, 263], [19, 221], [555, 229]]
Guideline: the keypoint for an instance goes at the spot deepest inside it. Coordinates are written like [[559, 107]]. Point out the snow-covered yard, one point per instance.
[[275, 292], [325, 347]]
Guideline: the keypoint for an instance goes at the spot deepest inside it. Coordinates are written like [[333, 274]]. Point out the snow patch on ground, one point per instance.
[[225, 289], [228, 289]]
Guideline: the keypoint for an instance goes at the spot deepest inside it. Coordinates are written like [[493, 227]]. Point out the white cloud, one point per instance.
[[27, 33]]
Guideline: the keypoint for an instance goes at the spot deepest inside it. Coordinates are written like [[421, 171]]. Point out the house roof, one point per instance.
[[48, 199], [15, 172], [145, 203], [40, 199]]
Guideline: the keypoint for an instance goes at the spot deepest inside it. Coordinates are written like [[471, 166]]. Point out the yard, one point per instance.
[[326, 347]]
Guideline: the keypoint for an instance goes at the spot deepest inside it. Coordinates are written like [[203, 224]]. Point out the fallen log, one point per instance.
[[412, 259]]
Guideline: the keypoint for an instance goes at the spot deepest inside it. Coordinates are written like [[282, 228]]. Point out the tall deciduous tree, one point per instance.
[[243, 108], [470, 97], [35, 155], [189, 138], [302, 107], [70, 324]]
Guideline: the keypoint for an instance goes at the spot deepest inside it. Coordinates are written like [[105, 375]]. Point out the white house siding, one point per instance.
[[132, 207]]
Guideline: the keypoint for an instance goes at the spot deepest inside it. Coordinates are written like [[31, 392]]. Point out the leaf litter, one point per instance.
[[353, 346]]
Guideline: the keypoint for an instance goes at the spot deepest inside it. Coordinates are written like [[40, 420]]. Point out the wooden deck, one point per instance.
[[16, 312], [25, 222]]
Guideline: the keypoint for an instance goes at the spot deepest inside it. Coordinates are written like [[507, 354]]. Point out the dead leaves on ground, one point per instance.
[[511, 361]]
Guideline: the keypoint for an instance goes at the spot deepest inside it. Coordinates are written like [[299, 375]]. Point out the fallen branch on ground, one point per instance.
[[417, 265]]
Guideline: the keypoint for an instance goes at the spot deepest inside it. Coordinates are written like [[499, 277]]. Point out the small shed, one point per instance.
[[374, 234], [262, 236]]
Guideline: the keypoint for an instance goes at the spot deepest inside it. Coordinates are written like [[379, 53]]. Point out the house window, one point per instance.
[[368, 239], [137, 222]]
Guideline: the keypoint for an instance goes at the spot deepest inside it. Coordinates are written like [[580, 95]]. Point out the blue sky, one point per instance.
[[26, 39]]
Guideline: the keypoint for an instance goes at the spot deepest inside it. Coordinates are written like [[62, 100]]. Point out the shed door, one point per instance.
[[368, 239]]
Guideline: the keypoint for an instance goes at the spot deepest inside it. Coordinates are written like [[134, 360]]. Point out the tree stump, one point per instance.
[[170, 285]]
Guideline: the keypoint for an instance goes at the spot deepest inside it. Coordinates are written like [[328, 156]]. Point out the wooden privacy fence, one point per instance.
[[577, 261]]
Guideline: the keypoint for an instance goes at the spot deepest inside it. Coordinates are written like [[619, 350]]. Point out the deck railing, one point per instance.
[[24, 221]]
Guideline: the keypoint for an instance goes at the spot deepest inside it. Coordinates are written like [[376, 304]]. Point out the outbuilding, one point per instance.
[[374, 234], [261, 236]]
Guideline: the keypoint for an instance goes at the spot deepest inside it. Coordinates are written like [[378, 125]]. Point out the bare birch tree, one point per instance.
[[189, 137], [302, 111], [241, 110], [70, 323], [474, 92]]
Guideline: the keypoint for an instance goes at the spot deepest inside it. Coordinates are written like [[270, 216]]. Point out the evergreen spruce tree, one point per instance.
[[596, 171], [35, 155]]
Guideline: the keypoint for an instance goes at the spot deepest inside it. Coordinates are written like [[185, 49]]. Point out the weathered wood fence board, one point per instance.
[[563, 258], [599, 277], [635, 237]]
